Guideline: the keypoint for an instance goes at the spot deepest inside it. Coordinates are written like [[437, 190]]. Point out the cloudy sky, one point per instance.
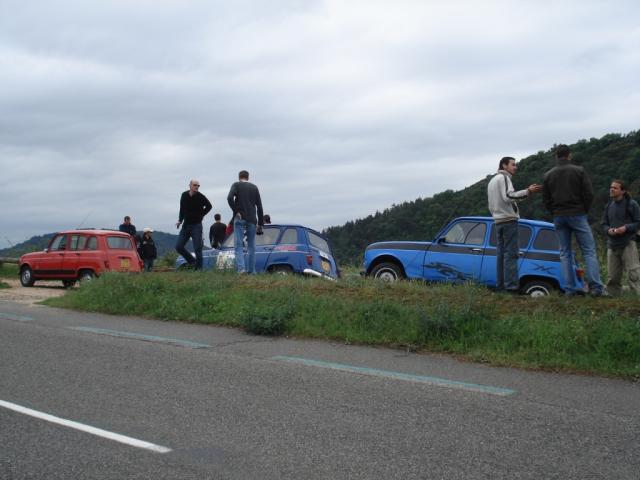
[[337, 108]]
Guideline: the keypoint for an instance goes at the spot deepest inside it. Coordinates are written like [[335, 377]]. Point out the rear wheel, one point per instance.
[[537, 288], [86, 276], [388, 272], [26, 277], [281, 270]]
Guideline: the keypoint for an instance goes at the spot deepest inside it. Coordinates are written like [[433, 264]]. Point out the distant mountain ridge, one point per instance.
[[165, 242], [606, 158]]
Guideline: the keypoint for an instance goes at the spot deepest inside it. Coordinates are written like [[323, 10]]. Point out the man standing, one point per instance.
[[504, 209], [193, 207], [620, 223], [568, 195], [244, 200], [217, 232], [128, 227]]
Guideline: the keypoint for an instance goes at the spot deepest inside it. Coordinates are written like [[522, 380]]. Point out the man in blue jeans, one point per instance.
[[504, 210], [193, 207], [568, 195], [244, 200]]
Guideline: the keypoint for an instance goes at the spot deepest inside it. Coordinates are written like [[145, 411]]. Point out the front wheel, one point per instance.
[[387, 272], [86, 276], [537, 288], [26, 277]]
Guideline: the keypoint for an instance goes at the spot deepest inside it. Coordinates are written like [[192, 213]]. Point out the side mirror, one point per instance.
[[440, 240], [46, 250]]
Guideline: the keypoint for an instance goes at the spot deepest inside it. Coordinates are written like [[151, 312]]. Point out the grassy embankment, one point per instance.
[[599, 336], [8, 270]]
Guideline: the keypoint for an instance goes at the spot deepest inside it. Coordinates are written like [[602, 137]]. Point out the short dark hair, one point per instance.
[[127, 218], [243, 174], [504, 162], [217, 217], [562, 151], [623, 186]]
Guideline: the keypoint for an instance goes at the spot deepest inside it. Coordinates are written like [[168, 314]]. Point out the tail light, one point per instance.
[[310, 259], [580, 273]]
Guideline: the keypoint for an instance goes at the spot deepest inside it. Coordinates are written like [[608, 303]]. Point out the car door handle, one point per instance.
[[267, 249], [476, 250], [521, 254]]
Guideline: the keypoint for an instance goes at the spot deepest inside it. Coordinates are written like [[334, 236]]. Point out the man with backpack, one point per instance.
[[620, 224]]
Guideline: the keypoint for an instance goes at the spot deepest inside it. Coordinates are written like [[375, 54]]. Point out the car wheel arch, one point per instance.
[[530, 284], [386, 259]]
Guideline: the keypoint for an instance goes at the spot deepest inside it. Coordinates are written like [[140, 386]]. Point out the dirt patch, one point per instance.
[[30, 295]]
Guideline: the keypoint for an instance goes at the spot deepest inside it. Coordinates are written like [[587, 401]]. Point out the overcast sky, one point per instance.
[[336, 108]]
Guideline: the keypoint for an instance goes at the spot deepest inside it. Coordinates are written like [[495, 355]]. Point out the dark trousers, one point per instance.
[[507, 256], [193, 231]]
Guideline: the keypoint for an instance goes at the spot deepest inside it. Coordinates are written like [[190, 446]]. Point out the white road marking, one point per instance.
[[116, 437]]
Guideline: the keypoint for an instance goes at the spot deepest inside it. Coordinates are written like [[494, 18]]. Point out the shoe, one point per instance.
[[599, 293]]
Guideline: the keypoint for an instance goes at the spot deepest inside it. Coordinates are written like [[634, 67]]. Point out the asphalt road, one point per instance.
[[227, 405]]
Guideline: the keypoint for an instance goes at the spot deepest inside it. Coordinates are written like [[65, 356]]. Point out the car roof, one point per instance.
[[95, 231], [535, 223]]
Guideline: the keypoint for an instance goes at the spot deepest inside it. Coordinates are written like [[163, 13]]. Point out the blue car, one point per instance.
[[281, 249], [465, 251]]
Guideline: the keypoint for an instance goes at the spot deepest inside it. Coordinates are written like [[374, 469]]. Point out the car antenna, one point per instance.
[[84, 219], [9, 242]]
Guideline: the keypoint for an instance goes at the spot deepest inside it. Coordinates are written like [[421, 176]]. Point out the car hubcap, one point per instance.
[[387, 275], [26, 276], [538, 292]]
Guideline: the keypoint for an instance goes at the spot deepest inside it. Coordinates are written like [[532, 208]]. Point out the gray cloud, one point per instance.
[[338, 109]]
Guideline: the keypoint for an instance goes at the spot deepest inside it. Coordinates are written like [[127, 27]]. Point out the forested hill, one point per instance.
[[612, 156]]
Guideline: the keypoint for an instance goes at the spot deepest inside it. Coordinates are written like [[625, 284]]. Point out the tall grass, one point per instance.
[[578, 334]]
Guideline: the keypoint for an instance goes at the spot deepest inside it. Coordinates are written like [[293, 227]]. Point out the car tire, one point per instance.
[[387, 272], [68, 283], [538, 288], [281, 270], [86, 276], [26, 277]]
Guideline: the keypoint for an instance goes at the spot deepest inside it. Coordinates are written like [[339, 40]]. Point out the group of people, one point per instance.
[[567, 195], [145, 243], [247, 221]]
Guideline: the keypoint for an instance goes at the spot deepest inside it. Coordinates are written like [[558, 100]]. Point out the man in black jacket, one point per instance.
[[217, 232], [620, 224], [193, 207], [568, 194], [244, 200]]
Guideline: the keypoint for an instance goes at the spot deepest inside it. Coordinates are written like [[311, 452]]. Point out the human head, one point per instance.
[[243, 175], [147, 232], [267, 219], [508, 164], [563, 152], [127, 219], [618, 189], [217, 217], [194, 185]]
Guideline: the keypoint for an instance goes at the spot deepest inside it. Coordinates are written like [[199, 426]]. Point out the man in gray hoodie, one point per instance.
[[504, 209]]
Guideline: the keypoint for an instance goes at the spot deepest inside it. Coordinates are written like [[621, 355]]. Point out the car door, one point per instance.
[[488, 274], [456, 255], [50, 264], [72, 257], [265, 244]]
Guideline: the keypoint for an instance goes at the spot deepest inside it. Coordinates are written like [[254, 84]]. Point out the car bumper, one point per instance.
[[313, 273]]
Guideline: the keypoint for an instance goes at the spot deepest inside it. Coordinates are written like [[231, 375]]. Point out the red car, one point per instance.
[[80, 255]]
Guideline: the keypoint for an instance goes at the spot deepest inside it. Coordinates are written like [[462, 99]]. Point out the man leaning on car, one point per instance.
[[504, 210]]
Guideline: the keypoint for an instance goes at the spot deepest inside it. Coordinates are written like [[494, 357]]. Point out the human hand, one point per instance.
[[534, 188], [178, 224], [259, 230]]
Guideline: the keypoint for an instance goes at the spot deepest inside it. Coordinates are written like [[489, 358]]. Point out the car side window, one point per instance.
[[290, 235], [318, 242], [92, 244], [524, 235], [119, 243], [468, 233], [268, 237], [59, 243], [546, 240], [77, 242]]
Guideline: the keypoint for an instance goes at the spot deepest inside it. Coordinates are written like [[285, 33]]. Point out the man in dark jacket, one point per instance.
[[620, 224], [128, 227], [244, 200], [217, 232], [193, 207], [147, 249], [568, 194]]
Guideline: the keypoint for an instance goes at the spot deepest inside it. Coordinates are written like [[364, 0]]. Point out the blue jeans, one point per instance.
[[148, 264], [507, 256], [578, 224], [193, 231], [241, 226]]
